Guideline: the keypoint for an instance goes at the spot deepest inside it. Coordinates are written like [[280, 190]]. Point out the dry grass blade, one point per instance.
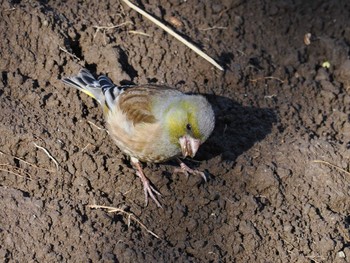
[[10, 172], [28, 163], [32, 165], [212, 28], [173, 33], [97, 127], [113, 26], [332, 165], [16, 171], [139, 33], [130, 216], [70, 54], [106, 28], [265, 78], [48, 154], [82, 150]]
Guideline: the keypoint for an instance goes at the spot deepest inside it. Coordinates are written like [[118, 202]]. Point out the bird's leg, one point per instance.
[[147, 187], [184, 169]]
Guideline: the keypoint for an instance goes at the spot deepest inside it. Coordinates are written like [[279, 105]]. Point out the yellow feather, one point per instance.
[[105, 109], [88, 93], [178, 116]]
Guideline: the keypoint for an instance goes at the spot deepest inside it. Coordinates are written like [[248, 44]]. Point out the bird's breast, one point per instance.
[[147, 142]]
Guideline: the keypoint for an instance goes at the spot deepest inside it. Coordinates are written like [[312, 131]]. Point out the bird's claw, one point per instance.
[[184, 169], [149, 190]]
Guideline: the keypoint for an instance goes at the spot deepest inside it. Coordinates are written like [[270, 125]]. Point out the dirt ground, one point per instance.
[[277, 162]]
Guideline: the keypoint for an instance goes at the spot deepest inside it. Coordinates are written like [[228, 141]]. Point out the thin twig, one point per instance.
[[130, 216], [28, 163], [270, 96], [212, 28], [28, 176], [264, 78], [139, 33], [10, 9], [331, 165], [48, 154], [97, 127], [85, 147], [70, 54], [10, 172], [173, 33], [224, 11], [114, 26], [313, 258], [105, 28]]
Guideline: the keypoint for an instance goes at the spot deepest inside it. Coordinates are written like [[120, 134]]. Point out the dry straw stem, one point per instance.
[[28, 163], [48, 154], [70, 54], [113, 26], [332, 165], [85, 147], [129, 216], [139, 33], [264, 78], [97, 127], [105, 28], [10, 172], [212, 28], [19, 170], [173, 33]]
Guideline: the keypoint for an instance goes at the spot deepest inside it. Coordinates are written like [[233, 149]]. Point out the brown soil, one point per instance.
[[278, 110]]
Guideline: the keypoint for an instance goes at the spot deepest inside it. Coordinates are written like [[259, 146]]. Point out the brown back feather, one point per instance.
[[136, 102]]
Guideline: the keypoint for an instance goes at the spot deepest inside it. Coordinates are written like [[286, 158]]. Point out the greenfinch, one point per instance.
[[150, 123]]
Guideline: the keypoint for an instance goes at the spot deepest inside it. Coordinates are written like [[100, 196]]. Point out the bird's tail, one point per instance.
[[95, 88]]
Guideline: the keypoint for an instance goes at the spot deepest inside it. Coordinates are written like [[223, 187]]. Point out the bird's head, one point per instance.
[[189, 122]]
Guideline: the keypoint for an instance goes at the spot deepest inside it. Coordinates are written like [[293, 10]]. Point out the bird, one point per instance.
[[150, 123]]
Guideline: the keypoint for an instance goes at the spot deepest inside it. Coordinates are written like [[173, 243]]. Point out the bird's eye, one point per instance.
[[188, 127]]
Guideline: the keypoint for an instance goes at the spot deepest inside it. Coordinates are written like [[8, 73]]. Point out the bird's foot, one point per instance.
[[148, 189], [184, 169]]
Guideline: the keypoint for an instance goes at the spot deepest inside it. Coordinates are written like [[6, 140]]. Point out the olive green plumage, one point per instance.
[[149, 122]]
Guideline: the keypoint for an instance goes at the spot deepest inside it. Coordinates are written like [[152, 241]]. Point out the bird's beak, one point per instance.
[[189, 145]]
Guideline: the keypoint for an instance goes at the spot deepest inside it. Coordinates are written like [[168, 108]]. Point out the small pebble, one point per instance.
[[341, 254]]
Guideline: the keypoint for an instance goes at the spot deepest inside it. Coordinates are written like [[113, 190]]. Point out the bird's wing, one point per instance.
[[137, 103]]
